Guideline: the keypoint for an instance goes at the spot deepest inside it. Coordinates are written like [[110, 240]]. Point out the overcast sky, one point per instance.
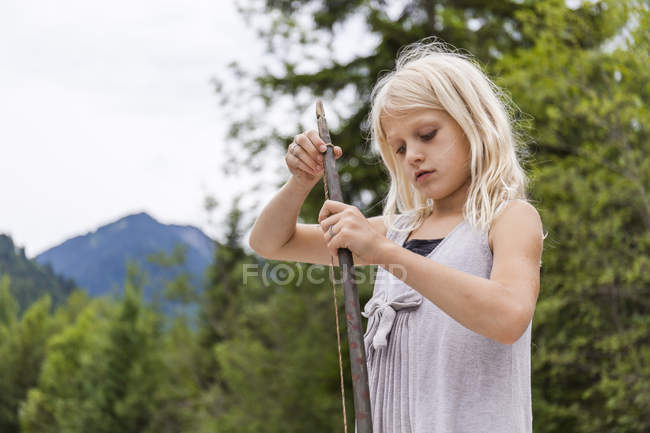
[[107, 109]]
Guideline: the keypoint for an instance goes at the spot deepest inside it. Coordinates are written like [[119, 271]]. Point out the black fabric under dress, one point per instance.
[[422, 246]]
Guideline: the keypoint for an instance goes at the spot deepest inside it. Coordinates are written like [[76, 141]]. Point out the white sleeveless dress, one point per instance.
[[429, 374]]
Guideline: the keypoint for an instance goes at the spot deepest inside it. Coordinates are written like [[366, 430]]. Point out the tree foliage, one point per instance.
[[29, 279], [579, 74], [263, 353]]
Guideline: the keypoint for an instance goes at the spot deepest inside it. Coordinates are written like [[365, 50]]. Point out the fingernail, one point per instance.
[[322, 148]]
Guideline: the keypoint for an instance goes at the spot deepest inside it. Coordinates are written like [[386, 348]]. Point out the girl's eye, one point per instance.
[[429, 136], [426, 137]]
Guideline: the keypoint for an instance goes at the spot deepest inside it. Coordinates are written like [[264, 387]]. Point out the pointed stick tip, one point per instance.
[[319, 108]]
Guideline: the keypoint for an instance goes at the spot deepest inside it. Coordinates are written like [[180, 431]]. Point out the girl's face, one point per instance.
[[431, 140]]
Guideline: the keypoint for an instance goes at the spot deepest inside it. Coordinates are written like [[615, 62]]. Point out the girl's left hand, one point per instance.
[[351, 230]]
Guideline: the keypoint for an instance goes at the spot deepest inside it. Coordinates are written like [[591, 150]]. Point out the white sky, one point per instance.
[[106, 109]]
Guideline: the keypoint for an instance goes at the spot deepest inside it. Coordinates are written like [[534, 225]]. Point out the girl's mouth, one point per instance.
[[424, 175]]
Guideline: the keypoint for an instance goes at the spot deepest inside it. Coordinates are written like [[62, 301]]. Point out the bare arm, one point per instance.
[[277, 236], [308, 245], [276, 223], [499, 308]]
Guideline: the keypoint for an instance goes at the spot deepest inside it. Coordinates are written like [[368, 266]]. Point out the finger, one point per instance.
[[332, 242], [336, 229], [302, 153], [330, 221], [316, 145], [324, 212], [293, 160], [299, 151], [329, 217], [319, 143], [295, 163], [337, 151], [338, 241], [330, 207]]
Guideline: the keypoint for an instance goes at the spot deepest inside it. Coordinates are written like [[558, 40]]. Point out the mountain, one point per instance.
[[28, 280], [97, 261]]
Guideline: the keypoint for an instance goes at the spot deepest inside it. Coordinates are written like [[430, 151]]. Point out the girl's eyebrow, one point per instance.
[[417, 126], [434, 125]]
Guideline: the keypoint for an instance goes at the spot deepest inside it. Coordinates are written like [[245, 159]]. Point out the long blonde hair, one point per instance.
[[429, 75]]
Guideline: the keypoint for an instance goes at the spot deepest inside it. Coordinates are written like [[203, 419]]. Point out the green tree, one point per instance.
[[301, 37], [29, 279], [587, 89], [102, 372], [269, 343], [579, 74], [22, 350], [180, 290]]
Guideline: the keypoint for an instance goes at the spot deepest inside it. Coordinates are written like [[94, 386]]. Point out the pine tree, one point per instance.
[[578, 73]]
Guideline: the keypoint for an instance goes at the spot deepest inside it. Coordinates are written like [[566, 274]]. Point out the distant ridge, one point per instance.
[[97, 260], [29, 280]]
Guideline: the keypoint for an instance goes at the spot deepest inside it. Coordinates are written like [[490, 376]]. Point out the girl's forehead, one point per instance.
[[392, 119]]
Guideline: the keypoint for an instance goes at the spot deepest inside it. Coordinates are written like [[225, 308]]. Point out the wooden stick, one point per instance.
[[363, 416]]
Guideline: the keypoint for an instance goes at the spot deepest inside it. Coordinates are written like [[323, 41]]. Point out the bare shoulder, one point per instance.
[[518, 220], [516, 242], [377, 223]]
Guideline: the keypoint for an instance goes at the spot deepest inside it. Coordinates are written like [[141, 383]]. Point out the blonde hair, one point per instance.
[[429, 75]]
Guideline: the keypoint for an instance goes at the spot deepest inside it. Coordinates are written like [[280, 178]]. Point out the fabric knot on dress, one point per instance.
[[385, 312]]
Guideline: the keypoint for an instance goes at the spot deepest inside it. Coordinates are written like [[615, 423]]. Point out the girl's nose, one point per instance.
[[414, 154]]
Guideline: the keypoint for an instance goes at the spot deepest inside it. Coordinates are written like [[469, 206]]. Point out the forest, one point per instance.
[[262, 357]]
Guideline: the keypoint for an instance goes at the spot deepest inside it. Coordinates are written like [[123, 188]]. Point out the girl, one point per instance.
[[449, 322]]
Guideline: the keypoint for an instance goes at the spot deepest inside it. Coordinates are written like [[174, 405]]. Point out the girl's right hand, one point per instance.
[[305, 157]]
